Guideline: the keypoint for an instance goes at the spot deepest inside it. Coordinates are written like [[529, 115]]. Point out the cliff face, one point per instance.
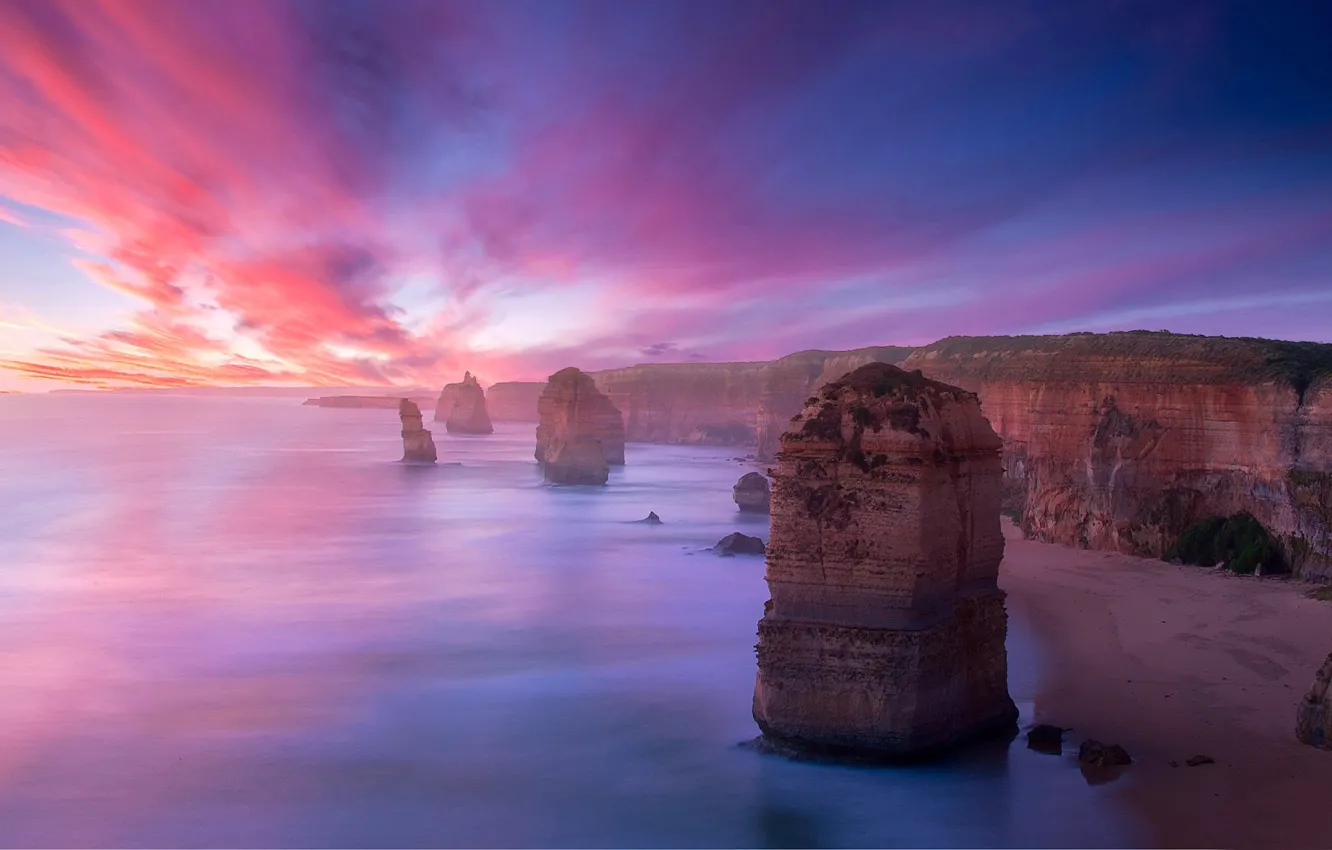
[[468, 414], [703, 403], [1117, 441], [574, 417], [417, 444], [514, 401], [886, 627]]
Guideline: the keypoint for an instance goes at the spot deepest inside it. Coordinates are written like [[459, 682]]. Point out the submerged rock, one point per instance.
[[1093, 753], [574, 418], [468, 413], [1313, 716], [885, 632], [651, 519], [417, 444], [752, 494], [1046, 739], [739, 544]]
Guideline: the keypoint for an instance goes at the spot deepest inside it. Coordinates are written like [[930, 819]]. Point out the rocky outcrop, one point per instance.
[[736, 543], [885, 631], [417, 444], [1313, 716], [514, 401], [751, 493], [575, 419], [468, 414], [1118, 441]]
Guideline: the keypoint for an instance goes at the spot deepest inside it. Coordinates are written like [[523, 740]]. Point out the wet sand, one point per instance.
[[1173, 662]]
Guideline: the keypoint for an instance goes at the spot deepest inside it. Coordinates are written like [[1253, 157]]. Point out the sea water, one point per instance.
[[240, 622]]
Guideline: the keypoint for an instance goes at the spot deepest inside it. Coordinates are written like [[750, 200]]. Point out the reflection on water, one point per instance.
[[237, 622]]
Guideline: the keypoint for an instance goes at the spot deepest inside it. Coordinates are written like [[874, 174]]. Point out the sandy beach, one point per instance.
[[1173, 662]]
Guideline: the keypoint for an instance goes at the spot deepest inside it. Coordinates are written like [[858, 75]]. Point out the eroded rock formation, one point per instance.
[[1313, 716], [579, 432], [468, 414], [752, 493], [885, 631], [1118, 441], [417, 444]]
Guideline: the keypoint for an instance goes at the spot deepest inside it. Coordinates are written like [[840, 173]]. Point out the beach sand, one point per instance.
[[1173, 662]]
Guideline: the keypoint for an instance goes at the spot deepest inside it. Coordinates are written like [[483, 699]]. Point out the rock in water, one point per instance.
[[574, 416], [1046, 739], [1095, 754], [651, 518], [751, 493], [739, 544], [1313, 716], [885, 632], [417, 444], [468, 414]]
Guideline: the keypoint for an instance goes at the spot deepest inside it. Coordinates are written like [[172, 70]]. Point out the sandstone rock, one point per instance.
[[1313, 716], [468, 414], [1093, 753], [574, 413], [1046, 739], [575, 460], [417, 444], [885, 631], [752, 494], [739, 544]]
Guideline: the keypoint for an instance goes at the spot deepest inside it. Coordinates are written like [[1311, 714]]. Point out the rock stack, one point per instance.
[[417, 444], [1313, 716], [579, 432], [468, 414], [885, 632], [751, 493]]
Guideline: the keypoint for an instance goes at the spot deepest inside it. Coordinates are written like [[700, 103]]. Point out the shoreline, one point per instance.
[[1177, 661]]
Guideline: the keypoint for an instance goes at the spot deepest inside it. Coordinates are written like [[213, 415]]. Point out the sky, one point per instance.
[[389, 192]]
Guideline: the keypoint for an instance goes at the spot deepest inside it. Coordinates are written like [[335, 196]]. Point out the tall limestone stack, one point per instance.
[[885, 632], [579, 432], [417, 444], [468, 414]]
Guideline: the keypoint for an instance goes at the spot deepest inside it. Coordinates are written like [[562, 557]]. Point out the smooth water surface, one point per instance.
[[237, 622]]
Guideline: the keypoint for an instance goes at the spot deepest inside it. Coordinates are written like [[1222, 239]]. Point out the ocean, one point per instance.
[[240, 622]]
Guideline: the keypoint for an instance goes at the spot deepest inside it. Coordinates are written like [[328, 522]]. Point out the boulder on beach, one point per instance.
[[1093, 753], [1313, 715], [1045, 738]]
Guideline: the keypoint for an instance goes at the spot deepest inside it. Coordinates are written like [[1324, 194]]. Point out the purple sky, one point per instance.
[[251, 191]]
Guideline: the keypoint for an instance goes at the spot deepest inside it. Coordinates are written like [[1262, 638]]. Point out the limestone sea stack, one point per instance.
[[751, 493], [468, 414], [579, 432], [885, 633], [417, 444]]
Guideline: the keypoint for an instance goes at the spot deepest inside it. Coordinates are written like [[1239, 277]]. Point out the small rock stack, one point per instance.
[[580, 432], [468, 414], [752, 494], [417, 444], [885, 632]]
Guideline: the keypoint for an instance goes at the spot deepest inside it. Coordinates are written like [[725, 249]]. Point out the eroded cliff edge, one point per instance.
[[1119, 440]]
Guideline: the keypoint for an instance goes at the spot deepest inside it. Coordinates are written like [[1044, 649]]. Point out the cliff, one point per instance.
[[417, 444], [467, 415], [580, 431], [374, 402], [1117, 441], [514, 401], [885, 631]]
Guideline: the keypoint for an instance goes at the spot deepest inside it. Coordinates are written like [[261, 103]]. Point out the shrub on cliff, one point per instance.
[[1238, 541]]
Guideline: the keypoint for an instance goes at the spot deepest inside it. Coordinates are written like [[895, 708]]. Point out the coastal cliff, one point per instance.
[[885, 631], [1118, 441], [514, 401]]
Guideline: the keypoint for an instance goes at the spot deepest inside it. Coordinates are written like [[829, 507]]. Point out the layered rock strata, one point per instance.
[[1313, 716], [752, 493], [885, 631], [580, 432], [514, 401], [417, 444], [468, 414], [1118, 441]]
